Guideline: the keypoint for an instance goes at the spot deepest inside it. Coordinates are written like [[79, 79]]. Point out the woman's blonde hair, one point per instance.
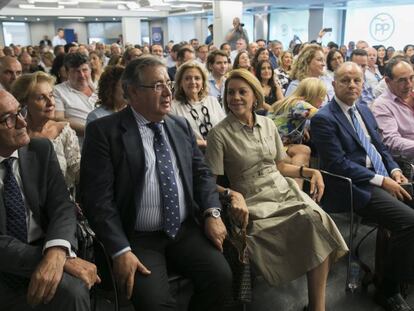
[[25, 85], [308, 90], [300, 67], [281, 59], [179, 93], [251, 80]]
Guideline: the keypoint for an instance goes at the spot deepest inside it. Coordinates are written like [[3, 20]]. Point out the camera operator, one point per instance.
[[236, 33]]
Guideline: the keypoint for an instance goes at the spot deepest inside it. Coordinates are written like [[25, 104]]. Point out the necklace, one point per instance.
[[204, 125]]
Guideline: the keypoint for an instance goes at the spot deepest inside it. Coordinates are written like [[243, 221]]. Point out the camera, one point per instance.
[[242, 24]]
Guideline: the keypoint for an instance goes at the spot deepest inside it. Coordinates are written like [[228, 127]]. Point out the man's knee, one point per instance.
[[73, 293]]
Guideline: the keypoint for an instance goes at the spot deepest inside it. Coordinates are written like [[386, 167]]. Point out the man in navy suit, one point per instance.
[[143, 185], [347, 139]]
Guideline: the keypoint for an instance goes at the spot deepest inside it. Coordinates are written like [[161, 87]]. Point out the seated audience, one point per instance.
[[58, 69], [381, 58], [123, 192], [185, 54], [346, 137], [10, 70], [76, 97], [261, 55], [275, 53], [288, 234], [191, 101], [130, 54], [372, 74], [35, 93], [282, 72], [252, 49], [394, 109], [408, 50], [110, 94], [39, 269], [202, 53], [310, 63]]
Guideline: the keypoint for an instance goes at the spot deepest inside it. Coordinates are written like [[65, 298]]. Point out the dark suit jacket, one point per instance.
[[46, 193], [341, 151], [113, 168]]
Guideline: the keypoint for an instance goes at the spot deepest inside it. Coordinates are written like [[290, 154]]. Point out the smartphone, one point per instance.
[[327, 30]]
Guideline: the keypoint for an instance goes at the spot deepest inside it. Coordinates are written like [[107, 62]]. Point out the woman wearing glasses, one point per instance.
[[193, 103], [35, 93]]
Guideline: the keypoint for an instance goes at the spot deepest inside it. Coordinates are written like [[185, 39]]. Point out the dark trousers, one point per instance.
[[398, 218], [192, 255], [71, 295]]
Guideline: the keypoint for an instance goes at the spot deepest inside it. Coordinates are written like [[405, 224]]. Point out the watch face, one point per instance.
[[215, 213]]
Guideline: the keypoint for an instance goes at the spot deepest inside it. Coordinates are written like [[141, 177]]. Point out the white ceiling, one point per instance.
[[112, 10]]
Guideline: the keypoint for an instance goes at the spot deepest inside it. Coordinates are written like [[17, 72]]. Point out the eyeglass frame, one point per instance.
[[163, 85], [11, 119]]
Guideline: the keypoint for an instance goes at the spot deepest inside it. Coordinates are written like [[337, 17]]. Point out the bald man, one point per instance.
[[346, 136], [10, 70]]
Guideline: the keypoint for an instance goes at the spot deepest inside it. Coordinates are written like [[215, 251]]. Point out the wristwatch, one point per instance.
[[214, 212]]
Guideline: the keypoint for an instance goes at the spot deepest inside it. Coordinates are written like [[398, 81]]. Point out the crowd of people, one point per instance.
[[139, 138]]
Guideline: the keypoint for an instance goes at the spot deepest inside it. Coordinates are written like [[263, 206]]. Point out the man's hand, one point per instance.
[[239, 208], [395, 189], [46, 278], [317, 186], [83, 270], [399, 177], [125, 266], [215, 231]]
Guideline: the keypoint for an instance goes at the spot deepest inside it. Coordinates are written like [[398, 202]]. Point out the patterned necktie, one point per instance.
[[15, 219], [13, 202], [372, 153], [168, 184]]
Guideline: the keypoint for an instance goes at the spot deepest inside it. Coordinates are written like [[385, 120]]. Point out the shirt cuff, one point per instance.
[[61, 243], [395, 170], [377, 180], [122, 251]]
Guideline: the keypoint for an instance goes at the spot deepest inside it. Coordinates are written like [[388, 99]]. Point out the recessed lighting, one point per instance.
[[12, 18], [3, 17], [38, 19], [25, 18], [71, 17], [113, 18], [97, 19]]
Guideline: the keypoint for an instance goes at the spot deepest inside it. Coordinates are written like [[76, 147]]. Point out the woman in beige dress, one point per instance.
[[288, 233]]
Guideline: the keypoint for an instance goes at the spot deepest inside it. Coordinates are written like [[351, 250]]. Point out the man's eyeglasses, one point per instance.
[[11, 119], [159, 86]]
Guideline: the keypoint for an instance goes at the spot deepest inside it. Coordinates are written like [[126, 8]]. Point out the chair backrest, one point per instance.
[[335, 184]]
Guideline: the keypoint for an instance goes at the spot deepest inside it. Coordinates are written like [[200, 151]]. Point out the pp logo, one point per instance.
[[156, 36], [382, 27]]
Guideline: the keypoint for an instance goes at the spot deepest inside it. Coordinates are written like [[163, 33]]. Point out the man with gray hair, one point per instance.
[[275, 49], [143, 184], [10, 70]]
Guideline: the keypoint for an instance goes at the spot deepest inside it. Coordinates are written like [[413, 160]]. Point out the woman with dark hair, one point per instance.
[[333, 60], [381, 51], [110, 94], [97, 64], [288, 234], [261, 55], [58, 69], [272, 90], [390, 53], [242, 61], [408, 50]]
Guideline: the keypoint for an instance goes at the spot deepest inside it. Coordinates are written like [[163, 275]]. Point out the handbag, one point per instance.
[[235, 252], [85, 236]]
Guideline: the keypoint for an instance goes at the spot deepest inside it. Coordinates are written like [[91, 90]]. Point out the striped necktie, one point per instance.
[[372, 152]]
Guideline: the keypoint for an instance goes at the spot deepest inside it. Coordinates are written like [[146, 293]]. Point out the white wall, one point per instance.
[[39, 30], [1, 35]]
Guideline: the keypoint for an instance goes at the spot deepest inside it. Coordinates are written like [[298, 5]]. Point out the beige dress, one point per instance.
[[288, 233]]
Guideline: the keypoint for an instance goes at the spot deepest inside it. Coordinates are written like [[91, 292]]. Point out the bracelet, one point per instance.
[[301, 172]]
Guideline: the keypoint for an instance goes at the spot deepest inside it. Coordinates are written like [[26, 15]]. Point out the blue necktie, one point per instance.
[[372, 153], [16, 225], [168, 184], [13, 202]]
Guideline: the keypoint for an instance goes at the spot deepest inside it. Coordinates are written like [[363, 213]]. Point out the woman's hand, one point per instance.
[[239, 208], [317, 186]]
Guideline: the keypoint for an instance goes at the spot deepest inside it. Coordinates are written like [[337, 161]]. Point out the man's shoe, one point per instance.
[[393, 303]]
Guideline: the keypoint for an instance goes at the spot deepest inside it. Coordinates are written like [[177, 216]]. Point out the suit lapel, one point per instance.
[[29, 173], [133, 146], [343, 120], [175, 136], [2, 215]]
